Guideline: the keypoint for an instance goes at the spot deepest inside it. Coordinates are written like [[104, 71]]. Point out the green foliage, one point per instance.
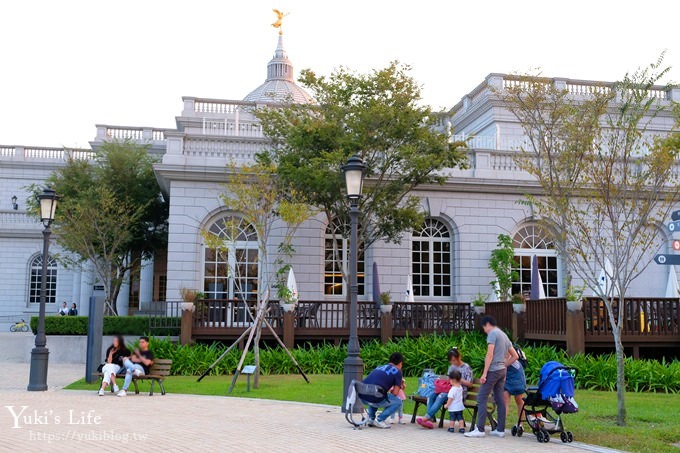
[[377, 116], [111, 212], [501, 263], [113, 325], [480, 300], [427, 351]]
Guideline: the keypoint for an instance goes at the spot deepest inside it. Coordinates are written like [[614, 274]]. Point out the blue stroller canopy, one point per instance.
[[554, 380]]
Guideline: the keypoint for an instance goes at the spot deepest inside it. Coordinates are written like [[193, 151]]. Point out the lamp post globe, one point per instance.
[[40, 354], [353, 366]]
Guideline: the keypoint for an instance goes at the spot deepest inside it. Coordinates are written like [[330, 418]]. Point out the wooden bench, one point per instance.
[[158, 372], [470, 404]]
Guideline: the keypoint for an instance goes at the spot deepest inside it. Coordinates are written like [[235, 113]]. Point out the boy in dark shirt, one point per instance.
[[389, 378], [137, 364]]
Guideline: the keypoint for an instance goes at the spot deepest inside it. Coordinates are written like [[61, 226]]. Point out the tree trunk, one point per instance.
[[620, 377], [256, 352]]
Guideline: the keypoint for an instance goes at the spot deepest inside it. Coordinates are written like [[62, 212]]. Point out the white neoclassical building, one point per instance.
[[447, 257]]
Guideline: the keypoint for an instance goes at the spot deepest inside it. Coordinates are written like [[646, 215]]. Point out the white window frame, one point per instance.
[[543, 247], [53, 277], [431, 240], [340, 260]]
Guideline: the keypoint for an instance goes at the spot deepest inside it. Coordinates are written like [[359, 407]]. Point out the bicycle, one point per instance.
[[19, 326]]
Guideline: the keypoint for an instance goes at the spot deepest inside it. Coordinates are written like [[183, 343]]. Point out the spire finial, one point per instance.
[[279, 19]]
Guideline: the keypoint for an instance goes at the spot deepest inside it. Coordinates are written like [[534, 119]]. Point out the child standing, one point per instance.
[[455, 403], [402, 396]]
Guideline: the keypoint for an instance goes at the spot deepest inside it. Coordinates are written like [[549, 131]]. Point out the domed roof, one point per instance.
[[280, 85]]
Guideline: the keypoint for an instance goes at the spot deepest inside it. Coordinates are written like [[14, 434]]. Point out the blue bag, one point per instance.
[[426, 383]]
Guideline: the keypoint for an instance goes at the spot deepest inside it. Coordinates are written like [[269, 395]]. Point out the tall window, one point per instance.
[[431, 260], [35, 280], [529, 241], [232, 271], [336, 259]]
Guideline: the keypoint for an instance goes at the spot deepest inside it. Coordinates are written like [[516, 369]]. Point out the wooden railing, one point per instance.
[[502, 311], [546, 319], [329, 319], [644, 317]]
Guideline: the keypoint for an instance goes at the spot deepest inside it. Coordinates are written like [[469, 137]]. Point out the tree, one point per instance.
[[620, 184], [259, 200], [501, 263], [376, 116], [111, 213], [558, 134]]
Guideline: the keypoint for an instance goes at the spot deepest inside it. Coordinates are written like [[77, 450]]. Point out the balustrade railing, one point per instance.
[[641, 316], [502, 312], [546, 317]]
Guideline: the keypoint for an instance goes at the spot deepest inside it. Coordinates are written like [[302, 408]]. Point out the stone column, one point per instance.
[[86, 288], [123, 300], [146, 284], [75, 291], [576, 338]]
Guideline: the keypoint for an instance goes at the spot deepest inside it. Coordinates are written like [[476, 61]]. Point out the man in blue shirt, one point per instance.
[[389, 378]]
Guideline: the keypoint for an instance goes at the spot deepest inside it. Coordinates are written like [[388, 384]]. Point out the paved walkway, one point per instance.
[[64, 420]]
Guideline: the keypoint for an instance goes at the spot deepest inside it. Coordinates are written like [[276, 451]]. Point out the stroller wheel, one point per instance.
[[570, 436], [563, 437], [539, 437], [513, 431], [546, 437], [520, 431]]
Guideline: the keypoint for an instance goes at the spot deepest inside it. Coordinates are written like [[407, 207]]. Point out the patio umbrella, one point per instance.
[[605, 279], [409, 290], [537, 291], [292, 285], [376, 286], [672, 289]]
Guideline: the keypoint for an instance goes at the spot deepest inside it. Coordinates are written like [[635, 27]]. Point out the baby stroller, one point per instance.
[[544, 405], [354, 408]]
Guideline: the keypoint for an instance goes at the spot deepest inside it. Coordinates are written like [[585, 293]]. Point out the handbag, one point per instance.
[[442, 386], [426, 384]]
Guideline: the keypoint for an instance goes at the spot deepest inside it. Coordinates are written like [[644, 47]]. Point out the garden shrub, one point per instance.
[[427, 351], [113, 325]]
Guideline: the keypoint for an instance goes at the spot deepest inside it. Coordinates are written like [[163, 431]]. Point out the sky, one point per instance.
[[68, 65]]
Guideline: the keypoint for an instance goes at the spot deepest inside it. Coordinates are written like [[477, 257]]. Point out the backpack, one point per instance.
[[426, 383], [522, 359]]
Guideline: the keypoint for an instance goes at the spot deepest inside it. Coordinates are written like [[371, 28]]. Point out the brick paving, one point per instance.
[[81, 421]]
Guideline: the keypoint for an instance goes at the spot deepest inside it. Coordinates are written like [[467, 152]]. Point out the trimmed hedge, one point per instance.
[[113, 325], [428, 351]]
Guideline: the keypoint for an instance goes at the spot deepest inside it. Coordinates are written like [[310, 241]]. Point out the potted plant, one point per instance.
[[518, 303], [479, 303], [189, 296], [287, 299], [574, 297], [385, 302]]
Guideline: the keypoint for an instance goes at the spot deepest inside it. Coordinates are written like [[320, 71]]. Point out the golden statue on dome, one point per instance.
[[279, 19]]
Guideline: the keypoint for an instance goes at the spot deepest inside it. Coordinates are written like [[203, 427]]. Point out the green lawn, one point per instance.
[[653, 421]]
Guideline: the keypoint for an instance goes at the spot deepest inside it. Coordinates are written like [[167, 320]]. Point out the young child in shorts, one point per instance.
[[455, 403]]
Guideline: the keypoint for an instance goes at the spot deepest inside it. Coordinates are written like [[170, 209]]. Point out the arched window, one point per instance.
[[336, 256], [231, 271], [533, 240], [431, 260], [35, 280]]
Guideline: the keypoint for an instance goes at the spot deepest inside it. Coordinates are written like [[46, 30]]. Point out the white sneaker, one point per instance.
[[382, 425], [497, 433], [115, 388], [370, 422], [122, 393], [475, 433], [101, 392]]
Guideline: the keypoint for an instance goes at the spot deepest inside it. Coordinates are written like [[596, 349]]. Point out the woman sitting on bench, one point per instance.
[[436, 401], [114, 362]]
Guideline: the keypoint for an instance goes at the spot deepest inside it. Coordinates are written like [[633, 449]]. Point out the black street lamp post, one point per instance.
[[353, 366], [40, 354]]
